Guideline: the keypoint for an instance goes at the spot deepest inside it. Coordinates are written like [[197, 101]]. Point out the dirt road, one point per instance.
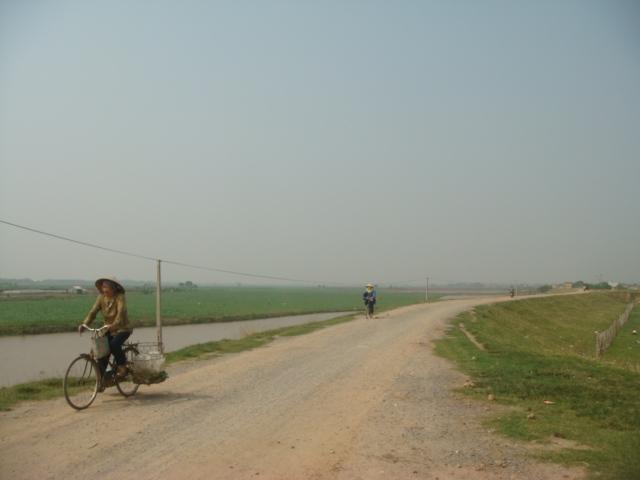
[[361, 400]]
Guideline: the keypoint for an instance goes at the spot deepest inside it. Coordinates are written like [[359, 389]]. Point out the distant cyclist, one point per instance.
[[369, 298]]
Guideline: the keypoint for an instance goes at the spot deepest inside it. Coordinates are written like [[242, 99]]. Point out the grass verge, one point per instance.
[[38, 390], [250, 341], [541, 350]]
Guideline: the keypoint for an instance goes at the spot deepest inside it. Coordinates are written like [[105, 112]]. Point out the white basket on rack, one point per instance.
[[149, 361]]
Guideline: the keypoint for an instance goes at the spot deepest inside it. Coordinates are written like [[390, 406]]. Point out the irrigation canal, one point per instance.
[[31, 357]]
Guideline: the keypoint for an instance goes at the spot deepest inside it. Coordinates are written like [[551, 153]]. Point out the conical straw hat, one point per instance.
[[119, 287]]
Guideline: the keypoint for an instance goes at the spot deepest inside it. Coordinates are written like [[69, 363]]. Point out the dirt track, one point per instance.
[[361, 400]]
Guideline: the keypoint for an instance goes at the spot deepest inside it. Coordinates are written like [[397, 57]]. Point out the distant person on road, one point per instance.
[[369, 298], [112, 304]]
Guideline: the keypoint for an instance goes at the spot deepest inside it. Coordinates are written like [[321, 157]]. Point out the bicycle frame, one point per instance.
[[101, 332]]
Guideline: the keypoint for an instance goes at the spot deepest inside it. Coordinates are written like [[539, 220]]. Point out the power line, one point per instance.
[[243, 274], [405, 282], [183, 264], [79, 242], [171, 262]]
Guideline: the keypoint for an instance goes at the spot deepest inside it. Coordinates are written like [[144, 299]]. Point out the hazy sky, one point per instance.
[[340, 141]]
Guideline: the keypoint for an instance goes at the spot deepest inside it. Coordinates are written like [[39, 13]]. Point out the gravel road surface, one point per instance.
[[366, 399]]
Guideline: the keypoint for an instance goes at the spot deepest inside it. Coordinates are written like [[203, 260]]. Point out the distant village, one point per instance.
[[26, 287]]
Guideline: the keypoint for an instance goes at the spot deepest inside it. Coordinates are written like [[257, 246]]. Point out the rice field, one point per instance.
[[200, 305]]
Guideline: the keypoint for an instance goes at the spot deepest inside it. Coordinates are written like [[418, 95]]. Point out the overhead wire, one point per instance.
[[171, 262], [79, 242], [185, 264], [404, 282], [244, 274]]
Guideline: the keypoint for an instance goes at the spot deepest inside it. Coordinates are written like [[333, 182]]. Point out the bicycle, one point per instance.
[[368, 311], [84, 379]]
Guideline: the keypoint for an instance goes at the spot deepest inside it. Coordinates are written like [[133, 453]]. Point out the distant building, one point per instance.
[[78, 290]]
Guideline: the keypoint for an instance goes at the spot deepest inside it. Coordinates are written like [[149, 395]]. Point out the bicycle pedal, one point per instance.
[[107, 382]]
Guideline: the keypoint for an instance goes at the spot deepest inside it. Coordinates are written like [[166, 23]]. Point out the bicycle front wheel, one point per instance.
[[126, 385], [81, 382]]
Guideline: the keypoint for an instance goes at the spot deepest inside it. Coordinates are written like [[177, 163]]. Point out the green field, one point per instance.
[[58, 314], [544, 350]]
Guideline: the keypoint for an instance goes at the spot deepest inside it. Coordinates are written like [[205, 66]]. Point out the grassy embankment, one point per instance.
[[543, 349], [51, 388], [203, 305]]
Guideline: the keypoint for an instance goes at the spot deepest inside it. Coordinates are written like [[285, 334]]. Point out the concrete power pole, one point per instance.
[[426, 293], [158, 314]]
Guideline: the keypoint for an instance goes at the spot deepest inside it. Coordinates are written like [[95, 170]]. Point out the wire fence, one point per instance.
[[605, 338]]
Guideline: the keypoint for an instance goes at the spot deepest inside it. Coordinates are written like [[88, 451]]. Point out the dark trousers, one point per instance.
[[115, 345]]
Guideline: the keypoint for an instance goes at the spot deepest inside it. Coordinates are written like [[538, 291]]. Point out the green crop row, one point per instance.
[[179, 306]]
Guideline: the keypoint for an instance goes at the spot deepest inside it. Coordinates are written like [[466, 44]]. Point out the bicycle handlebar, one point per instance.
[[86, 327]]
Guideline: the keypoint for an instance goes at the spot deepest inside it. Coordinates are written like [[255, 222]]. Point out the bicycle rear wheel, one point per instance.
[[126, 386], [81, 382]]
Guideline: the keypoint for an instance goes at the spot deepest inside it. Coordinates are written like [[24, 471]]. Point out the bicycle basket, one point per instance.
[[149, 359], [100, 346]]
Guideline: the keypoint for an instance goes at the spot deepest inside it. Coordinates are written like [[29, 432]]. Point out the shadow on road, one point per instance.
[[144, 399]]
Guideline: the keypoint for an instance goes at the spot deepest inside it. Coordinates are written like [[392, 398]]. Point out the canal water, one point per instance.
[[32, 357]]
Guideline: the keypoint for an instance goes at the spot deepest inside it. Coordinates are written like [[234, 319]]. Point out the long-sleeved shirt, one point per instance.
[[369, 297], [114, 312]]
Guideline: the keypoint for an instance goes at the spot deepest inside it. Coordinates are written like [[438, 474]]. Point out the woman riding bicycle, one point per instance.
[[112, 304]]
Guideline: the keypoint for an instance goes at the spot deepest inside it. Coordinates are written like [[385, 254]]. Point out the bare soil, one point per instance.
[[366, 399]]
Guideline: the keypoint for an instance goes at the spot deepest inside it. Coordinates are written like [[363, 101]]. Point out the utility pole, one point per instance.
[[426, 293], [158, 316]]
